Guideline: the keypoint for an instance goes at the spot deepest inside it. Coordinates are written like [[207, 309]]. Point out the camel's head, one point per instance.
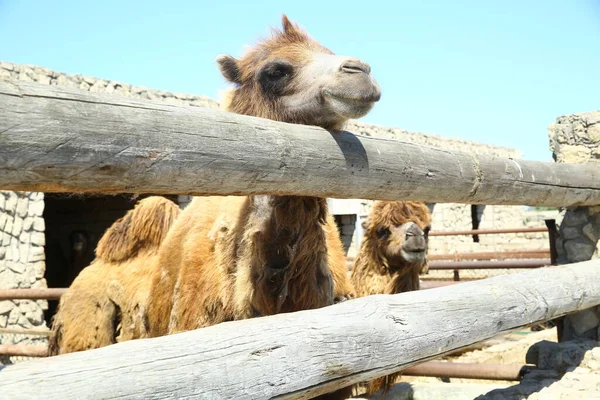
[[290, 77], [399, 231]]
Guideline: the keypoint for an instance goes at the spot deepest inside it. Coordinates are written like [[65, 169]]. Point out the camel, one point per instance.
[[233, 257], [106, 302], [264, 254], [392, 254]]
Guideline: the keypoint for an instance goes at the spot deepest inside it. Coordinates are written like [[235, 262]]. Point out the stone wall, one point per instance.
[[576, 139], [21, 263], [427, 139], [31, 73]]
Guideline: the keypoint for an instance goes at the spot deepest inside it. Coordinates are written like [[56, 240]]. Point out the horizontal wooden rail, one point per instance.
[[488, 231], [307, 353], [432, 284], [484, 255], [491, 255], [23, 351], [32, 294], [502, 372], [482, 264], [56, 293], [59, 139], [504, 264], [20, 331]]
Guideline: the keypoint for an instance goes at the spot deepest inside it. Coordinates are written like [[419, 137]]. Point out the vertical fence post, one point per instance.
[[576, 139], [552, 237]]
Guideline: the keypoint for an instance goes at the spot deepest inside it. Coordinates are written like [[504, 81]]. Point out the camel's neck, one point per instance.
[[403, 277], [289, 262], [404, 282]]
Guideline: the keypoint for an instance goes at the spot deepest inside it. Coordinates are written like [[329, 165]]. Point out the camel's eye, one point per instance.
[[277, 70], [382, 232], [274, 76]]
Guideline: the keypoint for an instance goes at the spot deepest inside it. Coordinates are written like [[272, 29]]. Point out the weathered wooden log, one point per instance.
[[58, 139], [300, 355]]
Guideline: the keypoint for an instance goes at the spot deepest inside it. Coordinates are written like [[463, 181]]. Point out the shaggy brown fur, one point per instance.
[[390, 258], [253, 261], [105, 304], [231, 258]]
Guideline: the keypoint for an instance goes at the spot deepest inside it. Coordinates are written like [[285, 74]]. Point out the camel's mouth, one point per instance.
[[405, 260], [414, 256], [351, 105], [368, 98]]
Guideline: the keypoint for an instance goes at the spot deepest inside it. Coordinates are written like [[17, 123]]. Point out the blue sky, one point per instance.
[[497, 72]]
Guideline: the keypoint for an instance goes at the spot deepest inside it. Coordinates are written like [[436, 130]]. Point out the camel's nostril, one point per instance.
[[355, 67]]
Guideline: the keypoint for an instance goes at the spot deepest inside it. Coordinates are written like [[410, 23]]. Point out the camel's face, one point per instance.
[[292, 78], [400, 231], [331, 89], [403, 245]]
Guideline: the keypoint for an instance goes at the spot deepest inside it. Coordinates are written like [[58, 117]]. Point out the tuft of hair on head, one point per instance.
[[290, 31]]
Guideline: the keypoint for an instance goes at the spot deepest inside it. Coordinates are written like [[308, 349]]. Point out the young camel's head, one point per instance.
[[290, 77], [399, 234]]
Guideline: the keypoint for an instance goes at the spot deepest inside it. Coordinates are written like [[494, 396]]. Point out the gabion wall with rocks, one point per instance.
[[576, 139], [21, 263]]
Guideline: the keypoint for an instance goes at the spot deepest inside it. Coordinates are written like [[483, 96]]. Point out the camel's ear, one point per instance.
[[229, 68]]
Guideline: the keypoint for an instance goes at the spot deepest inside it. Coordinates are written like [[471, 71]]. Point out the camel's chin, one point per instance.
[[348, 108], [414, 257]]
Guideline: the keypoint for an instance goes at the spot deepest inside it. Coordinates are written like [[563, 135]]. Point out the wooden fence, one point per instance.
[[303, 354], [55, 139]]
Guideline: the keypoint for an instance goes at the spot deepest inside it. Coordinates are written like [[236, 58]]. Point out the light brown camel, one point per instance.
[[106, 303], [265, 254], [230, 258], [392, 254]]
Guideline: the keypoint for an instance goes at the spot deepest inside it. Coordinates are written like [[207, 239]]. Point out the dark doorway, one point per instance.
[[346, 225], [74, 225], [476, 214]]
